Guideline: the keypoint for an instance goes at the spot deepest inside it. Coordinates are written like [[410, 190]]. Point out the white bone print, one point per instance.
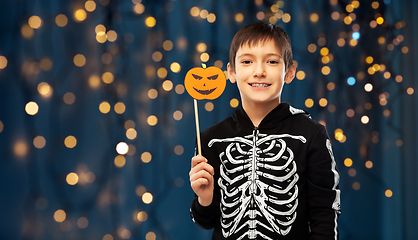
[[258, 185]]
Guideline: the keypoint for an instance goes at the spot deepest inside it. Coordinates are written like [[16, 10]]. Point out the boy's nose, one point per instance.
[[259, 73]]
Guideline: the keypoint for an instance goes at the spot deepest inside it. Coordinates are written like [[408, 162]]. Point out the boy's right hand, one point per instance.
[[201, 180]]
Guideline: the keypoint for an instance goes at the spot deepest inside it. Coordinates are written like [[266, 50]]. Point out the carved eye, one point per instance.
[[196, 76], [214, 77]]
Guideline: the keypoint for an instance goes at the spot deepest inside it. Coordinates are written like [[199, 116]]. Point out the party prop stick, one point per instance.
[[196, 116], [204, 83]]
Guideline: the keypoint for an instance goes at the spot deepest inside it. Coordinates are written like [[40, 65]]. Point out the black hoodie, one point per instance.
[[275, 181]]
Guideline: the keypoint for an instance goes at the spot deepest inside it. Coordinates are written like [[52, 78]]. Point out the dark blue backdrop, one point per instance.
[[52, 187]]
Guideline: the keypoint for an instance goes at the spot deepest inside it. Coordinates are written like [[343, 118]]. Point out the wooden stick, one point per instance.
[[199, 148]]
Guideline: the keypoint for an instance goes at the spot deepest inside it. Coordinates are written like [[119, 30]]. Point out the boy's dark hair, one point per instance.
[[261, 32]]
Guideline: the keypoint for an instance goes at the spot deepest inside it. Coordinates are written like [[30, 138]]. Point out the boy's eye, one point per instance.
[[246, 61], [273, 62]]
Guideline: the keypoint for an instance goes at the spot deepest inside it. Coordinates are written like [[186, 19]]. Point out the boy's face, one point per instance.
[[260, 74]]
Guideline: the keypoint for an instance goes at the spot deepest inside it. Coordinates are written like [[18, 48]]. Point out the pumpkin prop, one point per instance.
[[204, 83]]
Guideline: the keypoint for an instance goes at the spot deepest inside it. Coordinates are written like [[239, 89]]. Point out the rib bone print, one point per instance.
[[258, 185]]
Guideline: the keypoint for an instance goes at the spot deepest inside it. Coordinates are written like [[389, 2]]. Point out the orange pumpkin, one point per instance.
[[205, 83]]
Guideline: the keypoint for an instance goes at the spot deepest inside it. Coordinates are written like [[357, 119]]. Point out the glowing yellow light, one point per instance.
[[152, 120], [201, 47], [348, 162], [204, 13], [260, 15], [410, 91], [368, 87], [152, 94], [398, 78], [31, 108], [112, 36], [104, 107], [209, 106], [147, 198], [20, 148], [107, 77], [218, 63], [234, 103], [204, 57], [365, 119], [375, 5], [194, 11], [356, 186], [72, 178], [179, 89], [335, 15], [35, 22], [380, 20], [371, 70], [369, 59], [150, 236], [376, 67], [1, 126], [3, 62], [107, 237], [90, 6], [325, 59], [239, 17], [100, 29], [39, 142], [122, 148], [326, 70], [80, 15], [348, 20], [167, 85], [309, 103], [353, 42], [324, 51], [142, 216], [331, 86], [44, 89], [157, 56], [368, 164], [178, 115], [119, 161], [167, 45], [349, 8], [273, 20], [60, 215], [45, 64], [150, 22], [300, 75], [175, 67], [405, 49], [388, 193], [61, 20], [312, 48], [146, 157], [178, 150], [70, 141], [139, 8], [211, 18], [120, 108], [341, 42], [69, 98], [26, 31], [323, 102], [286, 18], [314, 17], [79, 60]]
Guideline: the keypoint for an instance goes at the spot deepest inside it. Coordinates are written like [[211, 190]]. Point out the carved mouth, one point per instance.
[[205, 92]]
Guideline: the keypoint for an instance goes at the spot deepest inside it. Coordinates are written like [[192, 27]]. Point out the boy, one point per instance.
[[268, 171]]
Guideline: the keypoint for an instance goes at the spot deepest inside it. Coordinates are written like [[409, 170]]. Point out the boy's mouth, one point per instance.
[[260, 85]]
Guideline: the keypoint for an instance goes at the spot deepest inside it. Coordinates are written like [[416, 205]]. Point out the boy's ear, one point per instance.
[[231, 74], [290, 75]]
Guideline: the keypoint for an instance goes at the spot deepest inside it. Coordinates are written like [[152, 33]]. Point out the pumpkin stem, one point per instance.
[[203, 65]]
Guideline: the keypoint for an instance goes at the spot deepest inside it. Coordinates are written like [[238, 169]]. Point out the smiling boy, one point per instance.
[[268, 171]]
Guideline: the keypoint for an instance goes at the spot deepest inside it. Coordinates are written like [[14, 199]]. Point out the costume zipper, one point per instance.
[[254, 164]]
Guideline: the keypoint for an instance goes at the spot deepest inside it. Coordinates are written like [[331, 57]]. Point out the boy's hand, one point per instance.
[[201, 180]]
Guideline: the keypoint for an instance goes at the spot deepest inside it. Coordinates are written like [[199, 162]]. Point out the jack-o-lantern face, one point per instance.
[[205, 83]]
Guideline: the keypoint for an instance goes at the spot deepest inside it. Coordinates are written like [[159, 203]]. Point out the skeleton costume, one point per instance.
[[275, 181]]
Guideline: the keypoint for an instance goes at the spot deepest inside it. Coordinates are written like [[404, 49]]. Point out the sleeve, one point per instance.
[[206, 217], [323, 188]]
